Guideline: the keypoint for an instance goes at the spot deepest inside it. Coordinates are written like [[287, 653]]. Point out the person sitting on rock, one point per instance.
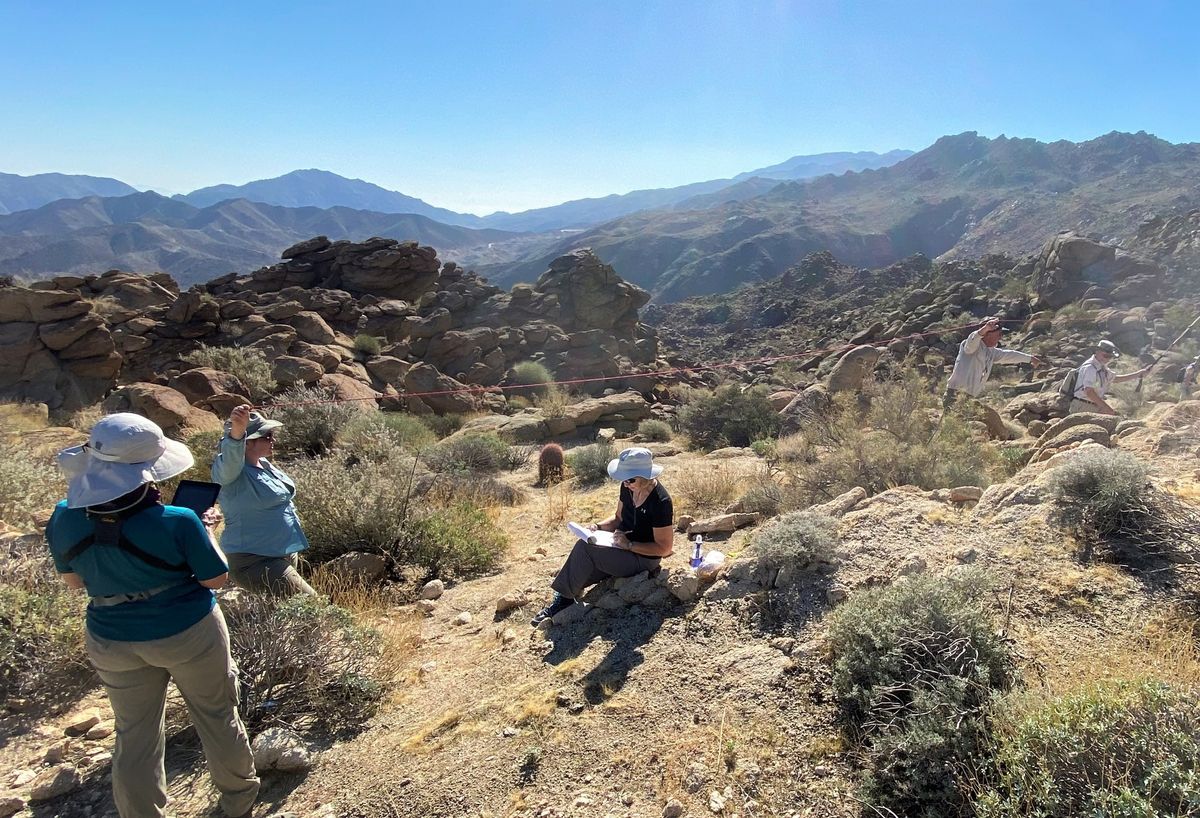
[[973, 366], [1094, 378], [643, 527]]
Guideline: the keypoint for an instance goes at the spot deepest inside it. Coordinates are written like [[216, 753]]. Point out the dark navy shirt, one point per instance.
[[171, 533], [655, 512]]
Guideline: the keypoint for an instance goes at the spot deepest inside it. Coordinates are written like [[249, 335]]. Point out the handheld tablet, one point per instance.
[[196, 495]]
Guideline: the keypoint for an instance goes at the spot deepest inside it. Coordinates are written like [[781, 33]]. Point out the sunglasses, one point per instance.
[[630, 482], [267, 436]]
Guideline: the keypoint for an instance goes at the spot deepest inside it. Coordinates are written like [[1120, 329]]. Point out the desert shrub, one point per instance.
[[896, 441], [589, 464], [1119, 749], [302, 661], [554, 402], [1013, 459], [250, 366], [41, 629], [1075, 316], [798, 539], [482, 490], [534, 376], [707, 487], [654, 430], [455, 540], [765, 497], [728, 417], [469, 454], [1108, 498], [366, 344], [444, 425], [28, 484], [518, 456], [360, 507], [368, 431], [915, 667], [312, 422]]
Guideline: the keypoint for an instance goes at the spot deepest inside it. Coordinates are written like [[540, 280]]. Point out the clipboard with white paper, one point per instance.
[[602, 538]]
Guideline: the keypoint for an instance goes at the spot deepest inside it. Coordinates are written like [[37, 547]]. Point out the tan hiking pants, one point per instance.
[[135, 675], [274, 575]]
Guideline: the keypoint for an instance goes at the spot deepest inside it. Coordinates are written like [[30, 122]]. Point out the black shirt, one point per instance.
[[655, 512]]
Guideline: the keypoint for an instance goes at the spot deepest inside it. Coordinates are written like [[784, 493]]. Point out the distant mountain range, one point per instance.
[[28, 192], [964, 195], [147, 232]]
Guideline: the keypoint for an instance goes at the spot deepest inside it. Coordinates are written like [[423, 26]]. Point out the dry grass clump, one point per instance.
[[313, 421], [764, 496], [708, 487], [796, 541], [472, 454], [29, 484], [656, 431], [41, 629], [250, 367]]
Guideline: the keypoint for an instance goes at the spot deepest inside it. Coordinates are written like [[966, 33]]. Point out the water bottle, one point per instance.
[[697, 551]]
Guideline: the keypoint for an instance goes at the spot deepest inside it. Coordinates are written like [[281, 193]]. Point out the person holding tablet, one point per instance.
[[150, 570], [262, 535]]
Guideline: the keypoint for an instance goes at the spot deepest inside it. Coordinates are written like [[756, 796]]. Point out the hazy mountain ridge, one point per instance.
[[965, 194], [146, 231], [29, 192]]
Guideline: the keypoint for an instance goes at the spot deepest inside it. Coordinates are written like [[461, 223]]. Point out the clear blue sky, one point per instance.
[[479, 106]]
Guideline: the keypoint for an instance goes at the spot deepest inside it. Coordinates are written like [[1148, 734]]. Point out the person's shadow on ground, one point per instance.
[[627, 631]]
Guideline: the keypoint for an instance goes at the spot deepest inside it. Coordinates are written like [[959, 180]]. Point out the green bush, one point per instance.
[[589, 464], [312, 424], [469, 454], [915, 667], [456, 540], [654, 430], [765, 497], [358, 507], [530, 374], [41, 629], [28, 484], [444, 425], [480, 490], [248, 365], [1118, 749], [302, 661], [366, 344], [728, 417], [1108, 497], [797, 540], [370, 430]]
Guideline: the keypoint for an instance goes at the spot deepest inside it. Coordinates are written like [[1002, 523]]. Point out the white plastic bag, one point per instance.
[[711, 565]]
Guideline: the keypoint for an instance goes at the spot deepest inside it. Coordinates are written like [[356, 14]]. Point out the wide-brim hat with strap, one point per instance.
[[635, 462], [256, 426], [1110, 348], [123, 451]]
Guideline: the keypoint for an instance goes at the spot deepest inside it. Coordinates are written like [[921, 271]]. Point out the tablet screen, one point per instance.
[[196, 495]]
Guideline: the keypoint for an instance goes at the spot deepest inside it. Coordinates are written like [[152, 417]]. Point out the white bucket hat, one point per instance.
[[1110, 348], [123, 452], [635, 462]]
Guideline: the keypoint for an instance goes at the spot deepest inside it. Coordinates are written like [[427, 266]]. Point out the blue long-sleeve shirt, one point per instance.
[[260, 517]]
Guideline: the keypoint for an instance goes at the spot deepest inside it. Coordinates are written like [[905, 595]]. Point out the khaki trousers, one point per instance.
[[135, 675], [588, 564], [1078, 405], [274, 575]]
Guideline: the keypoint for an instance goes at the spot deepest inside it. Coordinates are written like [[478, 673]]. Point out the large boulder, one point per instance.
[[429, 390], [204, 382], [165, 406], [590, 294], [852, 369]]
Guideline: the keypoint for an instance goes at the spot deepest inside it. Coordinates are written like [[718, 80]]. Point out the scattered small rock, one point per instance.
[[509, 732], [913, 564], [509, 636], [965, 494], [966, 554], [54, 782], [716, 802], [11, 805], [427, 668], [432, 589], [82, 723], [673, 809], [278, 749], [463, 618], [511, 601], [102, 730], [21, 777], [57, 752], [426, 606]]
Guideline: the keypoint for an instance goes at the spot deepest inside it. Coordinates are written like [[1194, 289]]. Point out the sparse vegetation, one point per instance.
[[915, 668], [1116, 749], [248, 365], [532, 375], [444, 425], [456, 540], [1108, 498], [728, 417], [28, 484], [469, 454], [589, 464], [797, 540], [707, 487], [370, 430], [313, 421], [658, 431], [765, 496]]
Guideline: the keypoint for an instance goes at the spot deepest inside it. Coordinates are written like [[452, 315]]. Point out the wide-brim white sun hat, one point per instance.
[[123, 451], [635, 462]]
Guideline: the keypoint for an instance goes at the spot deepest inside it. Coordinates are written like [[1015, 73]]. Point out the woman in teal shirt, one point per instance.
[[149, 570], [262, 535]]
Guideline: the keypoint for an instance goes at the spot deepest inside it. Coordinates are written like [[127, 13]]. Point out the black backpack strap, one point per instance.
[[129, 548]]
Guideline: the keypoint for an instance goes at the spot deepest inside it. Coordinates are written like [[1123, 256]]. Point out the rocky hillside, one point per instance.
[[963, 197], [146, 231]]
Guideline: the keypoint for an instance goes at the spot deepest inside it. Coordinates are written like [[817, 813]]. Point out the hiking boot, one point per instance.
[[560, 603]]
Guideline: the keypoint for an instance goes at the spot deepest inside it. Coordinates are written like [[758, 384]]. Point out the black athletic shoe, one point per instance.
[[560, 603]]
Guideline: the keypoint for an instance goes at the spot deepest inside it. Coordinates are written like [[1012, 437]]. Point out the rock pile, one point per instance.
[[440, 329]]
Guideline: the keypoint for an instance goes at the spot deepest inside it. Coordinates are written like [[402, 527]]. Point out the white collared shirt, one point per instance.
[[1094, 374], [974, 364]]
